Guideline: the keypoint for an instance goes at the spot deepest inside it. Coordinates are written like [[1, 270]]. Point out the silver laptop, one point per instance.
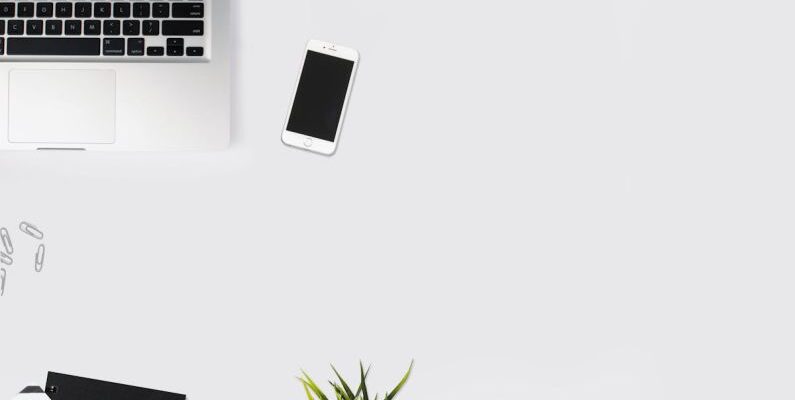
[[114, 75]]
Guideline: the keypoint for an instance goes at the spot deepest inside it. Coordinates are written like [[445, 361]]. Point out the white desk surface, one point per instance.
[[548, 199]]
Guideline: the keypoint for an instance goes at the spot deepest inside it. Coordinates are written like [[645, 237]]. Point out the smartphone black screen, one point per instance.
[[317, 108], [68, 387]]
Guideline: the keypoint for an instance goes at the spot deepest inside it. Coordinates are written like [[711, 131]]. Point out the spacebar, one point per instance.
[[53, 46]]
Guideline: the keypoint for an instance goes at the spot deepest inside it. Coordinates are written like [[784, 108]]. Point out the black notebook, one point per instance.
[[67, 387]]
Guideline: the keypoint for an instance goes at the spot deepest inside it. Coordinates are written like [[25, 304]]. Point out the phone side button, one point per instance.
[[308, 143]]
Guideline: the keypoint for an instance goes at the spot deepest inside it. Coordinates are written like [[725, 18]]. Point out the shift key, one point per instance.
[[183, 28]]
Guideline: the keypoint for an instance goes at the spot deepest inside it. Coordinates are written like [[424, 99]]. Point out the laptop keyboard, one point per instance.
[[104, 31]]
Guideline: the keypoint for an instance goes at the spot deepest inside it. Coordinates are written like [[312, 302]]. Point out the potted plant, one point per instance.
[[343, 391]]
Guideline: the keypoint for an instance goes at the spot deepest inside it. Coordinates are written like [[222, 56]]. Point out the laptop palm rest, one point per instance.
[[62, 107]]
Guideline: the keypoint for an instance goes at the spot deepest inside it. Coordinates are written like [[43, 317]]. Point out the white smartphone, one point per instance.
[[321, 97]]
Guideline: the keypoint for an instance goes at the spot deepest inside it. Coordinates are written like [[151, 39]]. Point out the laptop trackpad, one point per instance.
[[62, 106]]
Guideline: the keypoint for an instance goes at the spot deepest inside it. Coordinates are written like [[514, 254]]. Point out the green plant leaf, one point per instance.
[[306, 389], [338, 392], [345, 386], [314, 389], [309, 382], [391, 395], [363, 385]]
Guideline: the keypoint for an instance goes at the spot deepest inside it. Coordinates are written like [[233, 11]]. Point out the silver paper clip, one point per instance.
[[6, 239], [6, 259], [2, 281], [31, 230], [40, 258]]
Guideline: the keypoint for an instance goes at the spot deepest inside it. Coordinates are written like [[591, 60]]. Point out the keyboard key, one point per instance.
[[44, 10], [74, 27], [112, 27], [183, 28], [25, 10], [2, 46], [160, 10], [135, 47], [121, 10], [101, 10], [63, 10], [53, 27], [151, 28], [7, 10], [16, 27], [113, 47], [35, 27], [154, 51], [92, 28], [83, 10], [141, 10], [188, 10], [53, 46], [175, 47], [2, 27], [195, 51], [131, 28]]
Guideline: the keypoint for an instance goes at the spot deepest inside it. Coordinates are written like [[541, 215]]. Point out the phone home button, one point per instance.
[[308, 143]]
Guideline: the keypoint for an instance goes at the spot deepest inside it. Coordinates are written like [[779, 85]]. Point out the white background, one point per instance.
[[571, 199]]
